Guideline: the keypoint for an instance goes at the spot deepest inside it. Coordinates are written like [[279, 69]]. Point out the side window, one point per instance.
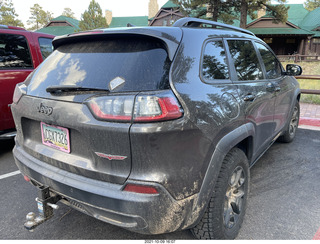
[[214, 64], [14, 52], [45, 47], [245, 60], [271, 63]]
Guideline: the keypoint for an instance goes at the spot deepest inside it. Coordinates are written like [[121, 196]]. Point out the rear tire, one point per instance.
[[291, 129], [225, 212]]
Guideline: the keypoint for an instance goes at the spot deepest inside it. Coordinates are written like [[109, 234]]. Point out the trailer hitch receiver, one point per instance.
[[46, 203]]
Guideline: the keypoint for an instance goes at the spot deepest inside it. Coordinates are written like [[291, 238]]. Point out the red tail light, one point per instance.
[[149, 107], [140, 189]]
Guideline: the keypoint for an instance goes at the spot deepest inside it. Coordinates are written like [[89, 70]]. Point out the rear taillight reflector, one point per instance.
[[26, 178], [142, 189]]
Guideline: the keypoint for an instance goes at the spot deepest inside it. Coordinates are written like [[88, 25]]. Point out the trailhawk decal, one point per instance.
[[111, 157]]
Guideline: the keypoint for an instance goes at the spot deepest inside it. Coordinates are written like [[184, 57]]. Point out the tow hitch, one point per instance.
[[46, 203]]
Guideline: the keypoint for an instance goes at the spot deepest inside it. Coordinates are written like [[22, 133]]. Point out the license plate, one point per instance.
[[56, 137]]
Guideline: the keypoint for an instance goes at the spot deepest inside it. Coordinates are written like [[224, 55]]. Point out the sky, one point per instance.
[[119, 8]]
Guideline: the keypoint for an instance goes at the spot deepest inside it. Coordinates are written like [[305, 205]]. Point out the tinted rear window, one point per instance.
[[14, 52], [133, 64]]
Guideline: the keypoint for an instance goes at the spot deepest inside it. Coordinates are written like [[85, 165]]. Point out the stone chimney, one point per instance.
[[108, 16], [153, 8]]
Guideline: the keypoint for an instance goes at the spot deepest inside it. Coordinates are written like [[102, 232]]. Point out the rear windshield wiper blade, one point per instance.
[[60, 89]]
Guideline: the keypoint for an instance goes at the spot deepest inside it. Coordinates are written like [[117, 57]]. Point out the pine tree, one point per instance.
[[229, 10], [248, 7], [208, 9], [39, 17], [68, 13], [92, 18], [8, 15], [312, 4]]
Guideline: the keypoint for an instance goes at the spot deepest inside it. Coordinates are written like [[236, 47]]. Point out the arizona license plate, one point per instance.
[[56, 137]]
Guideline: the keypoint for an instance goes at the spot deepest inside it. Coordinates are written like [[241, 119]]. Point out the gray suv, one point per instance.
[[153, 129]]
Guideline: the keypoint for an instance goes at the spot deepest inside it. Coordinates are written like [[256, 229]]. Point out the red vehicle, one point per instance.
[[21, 52]]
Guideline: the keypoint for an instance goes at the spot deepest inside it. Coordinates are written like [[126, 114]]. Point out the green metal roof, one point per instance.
[[58, 30], [279, 31], [123, 21], [312, 20], [170, 4], [296, 13], [61, 30]]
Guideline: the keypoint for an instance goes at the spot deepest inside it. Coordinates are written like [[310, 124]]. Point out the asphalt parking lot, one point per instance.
[[284, 201]]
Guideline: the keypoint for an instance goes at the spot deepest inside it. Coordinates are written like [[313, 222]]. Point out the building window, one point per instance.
[[268, 40], [290, 41], [316, 40], [165, 22]]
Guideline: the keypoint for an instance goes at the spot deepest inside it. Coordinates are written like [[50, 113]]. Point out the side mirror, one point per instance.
[[293, 70]]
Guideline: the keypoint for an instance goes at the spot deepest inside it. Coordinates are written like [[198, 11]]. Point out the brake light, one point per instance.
[[113, 108], [140, 189], [150, 107]]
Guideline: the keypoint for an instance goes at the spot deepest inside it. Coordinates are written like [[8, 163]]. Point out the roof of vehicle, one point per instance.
[[171, 36], [14, 29], [11, 27]]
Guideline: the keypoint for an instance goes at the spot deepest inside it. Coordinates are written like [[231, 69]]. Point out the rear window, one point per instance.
[[118, 64]]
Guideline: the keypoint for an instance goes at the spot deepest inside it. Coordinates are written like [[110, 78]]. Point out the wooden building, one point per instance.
[[167, 15]]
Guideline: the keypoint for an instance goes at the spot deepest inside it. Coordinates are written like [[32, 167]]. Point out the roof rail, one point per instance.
[[195, 22]]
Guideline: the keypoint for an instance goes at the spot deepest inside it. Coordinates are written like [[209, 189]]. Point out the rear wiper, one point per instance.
[[60, 89]]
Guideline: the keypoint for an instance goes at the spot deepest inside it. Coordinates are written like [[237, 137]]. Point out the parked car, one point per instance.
[[20, 52], [153, 129]]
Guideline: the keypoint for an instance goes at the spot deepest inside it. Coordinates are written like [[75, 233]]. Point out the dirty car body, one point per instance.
[[131, 127]]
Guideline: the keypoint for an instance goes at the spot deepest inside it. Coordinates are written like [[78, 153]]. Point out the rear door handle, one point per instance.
[[249, 98]]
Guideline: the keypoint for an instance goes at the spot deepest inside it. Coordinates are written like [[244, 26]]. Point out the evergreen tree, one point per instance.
[[312, 4], [68, 13], [8, 15], [39, 17], [92, 18], [248, 7], [229, 10], [208, 9]]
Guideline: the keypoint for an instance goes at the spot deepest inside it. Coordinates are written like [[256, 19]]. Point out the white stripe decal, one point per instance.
[[9, 174]]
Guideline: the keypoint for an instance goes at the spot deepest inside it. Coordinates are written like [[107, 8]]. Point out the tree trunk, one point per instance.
[[215, 9], [244, 13]]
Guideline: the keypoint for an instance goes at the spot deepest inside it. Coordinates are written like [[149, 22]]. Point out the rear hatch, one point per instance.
[[82, 100]]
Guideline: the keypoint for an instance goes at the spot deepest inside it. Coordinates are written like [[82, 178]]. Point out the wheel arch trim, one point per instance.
[[227, 142]]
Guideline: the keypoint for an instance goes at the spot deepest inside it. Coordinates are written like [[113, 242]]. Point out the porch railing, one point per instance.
[[309, 77], [299, 58]]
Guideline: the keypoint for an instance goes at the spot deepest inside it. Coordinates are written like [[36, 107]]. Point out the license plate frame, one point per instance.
[[55, 137]]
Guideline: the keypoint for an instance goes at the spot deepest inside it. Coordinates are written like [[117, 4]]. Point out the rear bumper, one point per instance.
[[7, 134], [142, 213]]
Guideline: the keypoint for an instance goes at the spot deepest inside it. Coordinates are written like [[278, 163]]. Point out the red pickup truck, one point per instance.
[[21, 52]]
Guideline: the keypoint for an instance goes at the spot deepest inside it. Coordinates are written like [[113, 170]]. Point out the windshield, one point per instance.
[[117, 64]]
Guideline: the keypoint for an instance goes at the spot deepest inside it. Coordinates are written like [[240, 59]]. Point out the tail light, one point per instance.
[[145, 107], [19, 91]]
